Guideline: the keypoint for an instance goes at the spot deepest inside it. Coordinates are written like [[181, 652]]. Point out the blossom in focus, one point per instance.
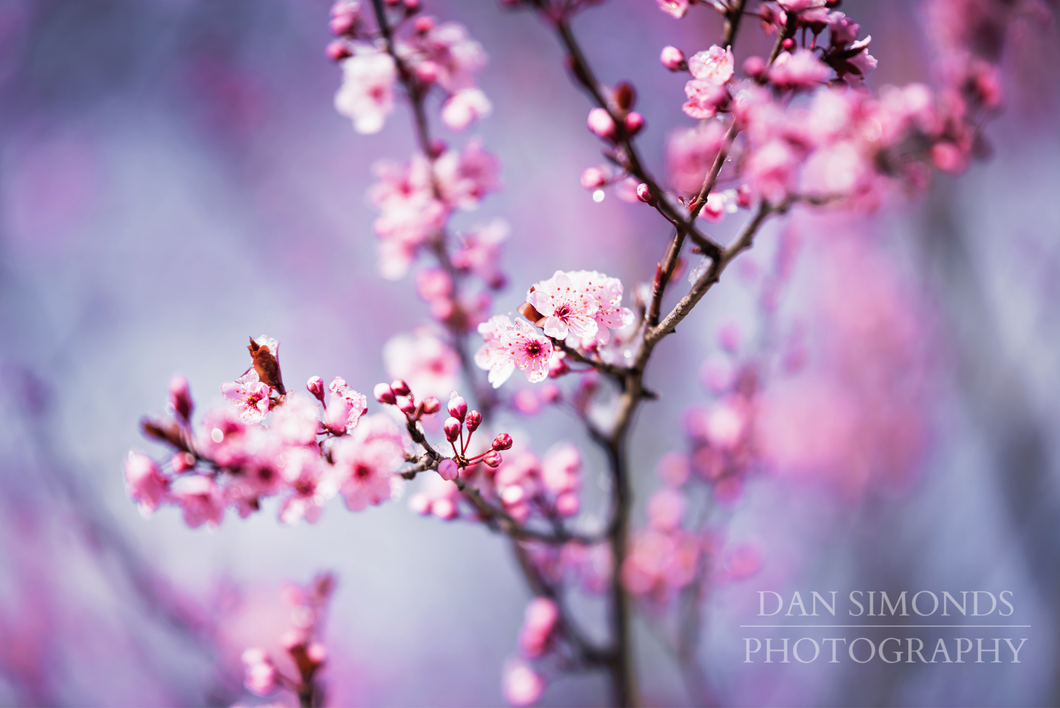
[[510, 346], [367, 92], [715, 65], [345, 407], [566, 307], [250, 395], [704, 98]]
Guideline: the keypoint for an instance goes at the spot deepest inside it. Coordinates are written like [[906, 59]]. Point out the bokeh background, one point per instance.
[[173, 178]]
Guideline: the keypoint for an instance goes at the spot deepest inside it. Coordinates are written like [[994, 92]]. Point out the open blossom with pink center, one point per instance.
[[566, 307], [704, 98], [345, 407], [610, 314], [311, 481], [522, 686], [250, 395], [465, 177], [146, 482], [201, 500], [365, 461], [539, 622], [367, 92], [428, 364], [715, 65], [510, 346], [799, 69]]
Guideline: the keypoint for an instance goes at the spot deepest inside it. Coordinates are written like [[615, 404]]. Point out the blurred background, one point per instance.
[[174, 178]]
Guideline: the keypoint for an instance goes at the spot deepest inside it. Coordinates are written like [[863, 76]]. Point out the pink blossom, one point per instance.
[[510, 346], [704, 98], [311, 482], [200, 498], [607, 292], [260, 676], [145, 480], [455, 57], [367, 92], [522, 686], [665, 509], [561, 469], [674, 8], [297, 421], [345, 407], [250, 395], [479, 252], [540, 620], [690, 154], [437, 496], [565, 306], [799, 69], [466, 177], [672, 58], [428, 364], [464, 107], [772, 170], [715, 65], [366, 460]]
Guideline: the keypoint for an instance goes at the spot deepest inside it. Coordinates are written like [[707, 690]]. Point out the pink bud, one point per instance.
[[448, 470], [438, 148], [743, 195], [316, 653], [183, 461], [492, 459], [315, 386], [567, 504], [406, 405], [383, 393], [400, 387], [343, 24], [644, 194], [412, 6], [472, 421], [754, 66], [180, 397], [593, 178], [427, 72], [457, 407], [601, 124], [672, 58], [502, 442], [337, 50], [431, 405], [423, 25], [634, 123], [452, 429], [788, 43]]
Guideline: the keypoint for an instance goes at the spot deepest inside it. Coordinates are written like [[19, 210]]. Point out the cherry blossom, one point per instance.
[[146, 483], [250, 395], [715, 65], [367, 92], [366, 460], [565, 306]]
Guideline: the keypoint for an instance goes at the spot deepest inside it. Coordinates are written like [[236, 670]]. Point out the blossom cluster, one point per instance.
[[303, 650], [580, 306], [268, 442]]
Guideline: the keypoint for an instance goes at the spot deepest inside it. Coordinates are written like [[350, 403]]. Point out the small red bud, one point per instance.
[[492, 459], [400, 387], [634, 123], [473, 420], [788, 43], [406, 405], [180, 397], [423, 25], [337, 50], [644, 194], [502, 442], [673, 58], [431, 405], [601, 124]]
